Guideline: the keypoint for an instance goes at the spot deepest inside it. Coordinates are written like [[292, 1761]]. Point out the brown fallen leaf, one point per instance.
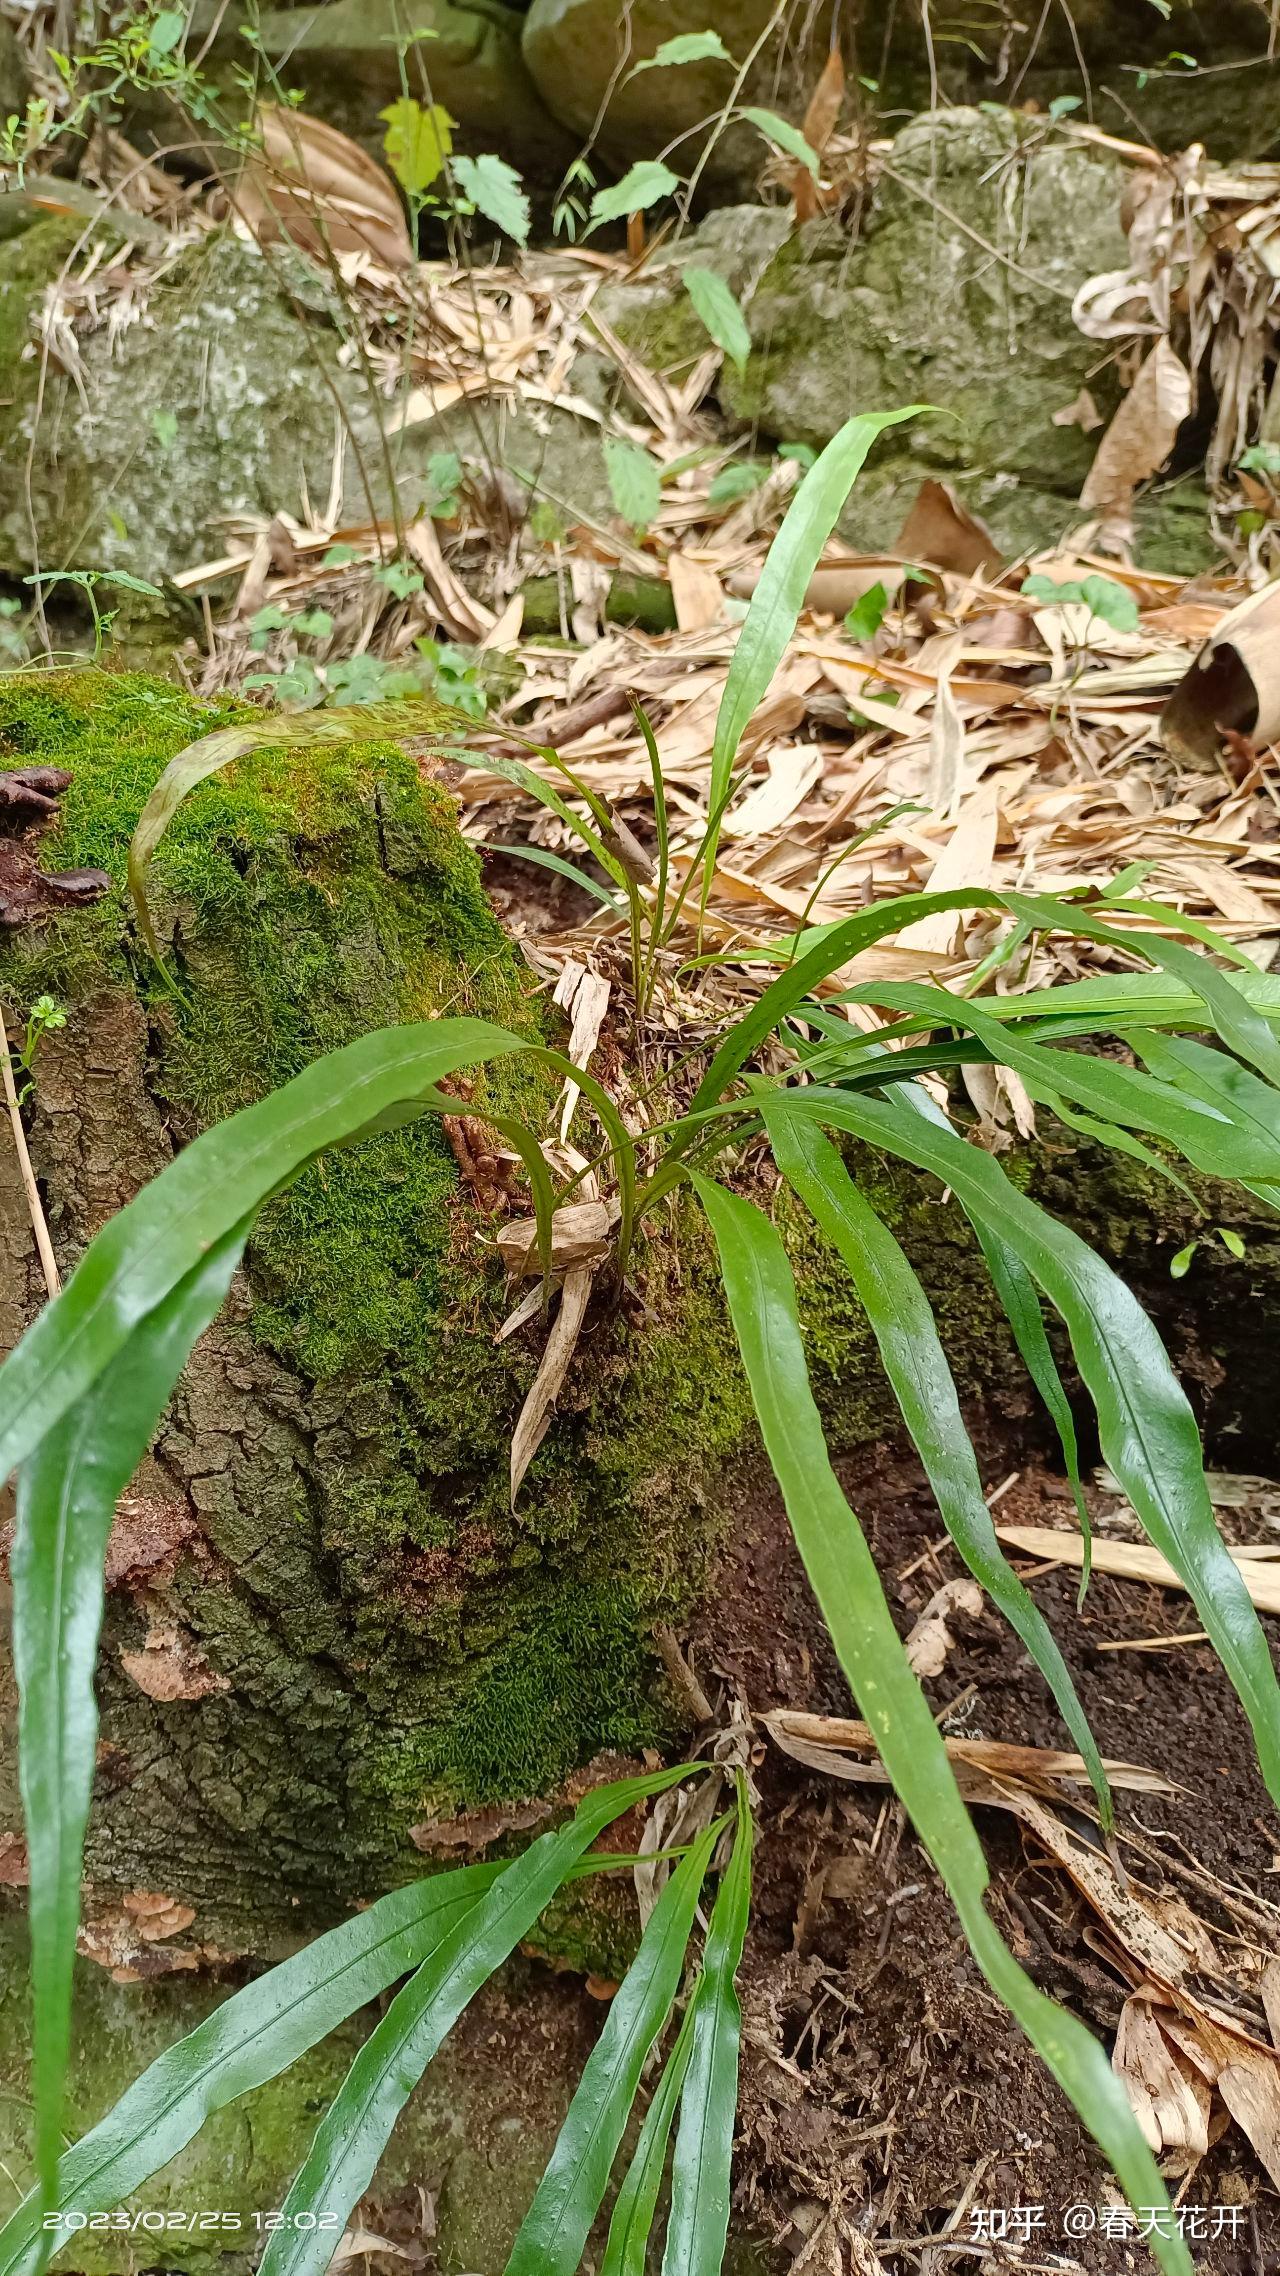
[[579, 1236], [931, 1639], [695, 590], [1135, 1561], [1233, 684], [845, 1748], [316, 187], [1142, 433], [1169, 2098], [941, 531]]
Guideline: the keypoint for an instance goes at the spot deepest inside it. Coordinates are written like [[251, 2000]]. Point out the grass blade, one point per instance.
[[143, 1252], [554, 2231], [544, 859], [916, 1365], [344, 2155], [359, 723], [1020, 1300], [251, 2038], [842, 1572], [779, 597], [702, 2163], [1147, 1431], [67, 1492], [627, 2246]]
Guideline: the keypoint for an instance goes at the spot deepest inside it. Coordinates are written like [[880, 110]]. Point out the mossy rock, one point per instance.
[[958, 296], [221, 402]]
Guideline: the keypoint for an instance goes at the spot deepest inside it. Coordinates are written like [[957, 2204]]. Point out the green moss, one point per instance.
[[305, 898]]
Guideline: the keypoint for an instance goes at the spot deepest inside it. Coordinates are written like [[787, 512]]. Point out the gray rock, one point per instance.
[[958, 294], [220, 400], [653, 314], [577, 53]]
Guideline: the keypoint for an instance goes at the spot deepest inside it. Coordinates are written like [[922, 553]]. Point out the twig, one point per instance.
[[48, 1262]]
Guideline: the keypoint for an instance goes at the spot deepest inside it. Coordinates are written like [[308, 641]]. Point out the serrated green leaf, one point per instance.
[[686, 47], [1146, 1428], [779, 597], [783, 135], [702, 2162], [418, 140], [496, 191], [643, 185], [252, 2037], [68, 1488], [735, 482], [627, 2246], [720, 313], [634, 482], [351, 2138]]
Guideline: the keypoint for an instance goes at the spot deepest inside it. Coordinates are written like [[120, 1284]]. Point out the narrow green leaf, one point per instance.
[[251, 2038], [139, 1257], [1020, 1300], [916, 1365], [350, 2140], [554, 2231], [841, 1570], [634, 482], [720, 313], [702, 2162], [496, 191], [783, 135], [627, 2245], [543, 858], [1147, 1431], [686, 47], [779, 597], [644, 184], [67, 1492]]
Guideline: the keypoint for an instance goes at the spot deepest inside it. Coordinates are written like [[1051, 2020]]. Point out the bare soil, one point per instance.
[[883, 2086]]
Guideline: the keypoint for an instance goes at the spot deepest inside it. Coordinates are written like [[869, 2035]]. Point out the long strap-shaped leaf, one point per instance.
[[1215, 1076], [916, 1365], [343, 2157], [1147, 1430], [222, 1176], [554, 2231], [67, 1493], [762, 1304], [779, 597], [628, 2239], [252, 2037], [702, 2162]]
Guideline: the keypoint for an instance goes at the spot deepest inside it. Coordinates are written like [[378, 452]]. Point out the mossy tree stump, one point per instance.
[[325, 1621]]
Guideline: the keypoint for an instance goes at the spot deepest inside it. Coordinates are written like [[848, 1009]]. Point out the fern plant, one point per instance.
[[83, 1392]]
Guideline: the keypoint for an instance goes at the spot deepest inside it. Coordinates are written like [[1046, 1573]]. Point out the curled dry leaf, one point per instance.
[[1233, 685], [315, 186], [579, 1236], [1135, 1561], [1142, 433], [931, 1639]]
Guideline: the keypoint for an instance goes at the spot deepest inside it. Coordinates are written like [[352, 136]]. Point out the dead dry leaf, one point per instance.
[[315, 186], [930, 1638], [1142, 433], [1135, 1561]]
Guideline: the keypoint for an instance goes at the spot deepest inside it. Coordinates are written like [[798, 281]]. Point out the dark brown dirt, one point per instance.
[[883, 2086]]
